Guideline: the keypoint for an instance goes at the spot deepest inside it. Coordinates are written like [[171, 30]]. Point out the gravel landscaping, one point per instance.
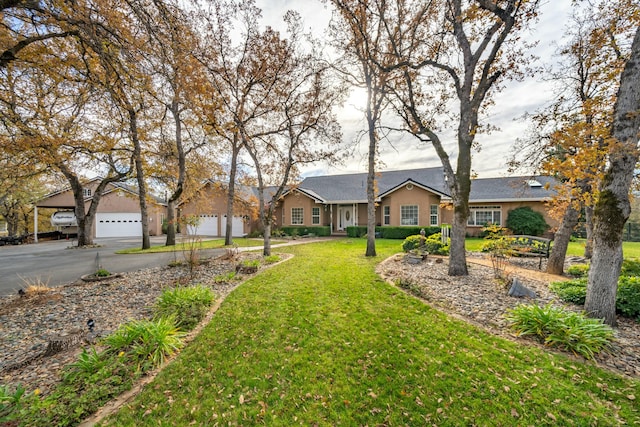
[[28, 323]]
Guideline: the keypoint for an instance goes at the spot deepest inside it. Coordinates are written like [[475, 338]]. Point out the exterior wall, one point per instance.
[[297, 200], [212, 200], [475, 230], [405, 197]]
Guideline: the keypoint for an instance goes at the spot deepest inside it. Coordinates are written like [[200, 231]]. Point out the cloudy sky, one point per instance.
[[403, 152]]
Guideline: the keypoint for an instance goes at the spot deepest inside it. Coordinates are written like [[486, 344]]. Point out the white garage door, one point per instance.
[[208, 226], [237, 226], [118, 225]]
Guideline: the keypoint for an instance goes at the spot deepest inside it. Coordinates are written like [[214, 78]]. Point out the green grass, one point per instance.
[[322, 340], [204, 244]]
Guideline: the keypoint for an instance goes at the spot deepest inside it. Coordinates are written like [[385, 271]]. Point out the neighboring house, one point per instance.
[[209, 206], [118, 213], [417, 197]]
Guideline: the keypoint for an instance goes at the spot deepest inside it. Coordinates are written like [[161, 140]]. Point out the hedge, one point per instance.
[[387, 232], [302, 230]]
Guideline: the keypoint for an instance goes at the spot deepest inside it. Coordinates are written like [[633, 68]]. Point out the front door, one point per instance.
[[345, 217]]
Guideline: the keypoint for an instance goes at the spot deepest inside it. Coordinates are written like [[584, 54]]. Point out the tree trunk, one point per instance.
[[588, 226], [142, 186], [555, 265], [371, 190], [457, 251], [231, 193], [267, 237], [171, 219], [613, 208], [171, 229]]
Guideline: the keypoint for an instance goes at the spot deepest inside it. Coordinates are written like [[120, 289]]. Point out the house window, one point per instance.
[[386, 212], [433, 215], [483, 215], [86, 192], [409, 215], [315, 215], [297, 216]]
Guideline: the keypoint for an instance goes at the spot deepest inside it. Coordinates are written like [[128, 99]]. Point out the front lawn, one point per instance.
[[322, 340]]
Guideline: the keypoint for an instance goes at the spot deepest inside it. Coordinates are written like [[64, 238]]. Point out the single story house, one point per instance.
[[118, 213], [417, 197]]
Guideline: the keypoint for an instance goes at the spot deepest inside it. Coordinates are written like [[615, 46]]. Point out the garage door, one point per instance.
[[208, 226], [118, 225], [237, 226]]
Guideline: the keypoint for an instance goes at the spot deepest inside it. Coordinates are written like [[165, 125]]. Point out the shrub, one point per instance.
[[304, 230], [628, 297], [578, 270], [412, 242], [630, 268], [525, 220], [188, 305], [500, 246], [557, 327], [434, 245], [493, 231], [102, 273], [573, 291]]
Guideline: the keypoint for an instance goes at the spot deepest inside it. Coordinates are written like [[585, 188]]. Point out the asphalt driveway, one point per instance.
[[56, 262]]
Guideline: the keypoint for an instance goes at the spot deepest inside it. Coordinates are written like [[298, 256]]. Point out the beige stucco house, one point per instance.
[[417, 197]]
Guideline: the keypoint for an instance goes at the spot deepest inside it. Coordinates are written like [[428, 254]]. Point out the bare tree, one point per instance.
[[359, 32], [454, 51], [302, 128], [242, 76]]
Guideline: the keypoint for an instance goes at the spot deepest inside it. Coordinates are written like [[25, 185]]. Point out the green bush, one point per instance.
[[493, 231], [628, 297], [557, 327], [304, 230], [434, 245], [188, 305], [412, 242], [388, 232], [630, 268], [499, 246], [578, 270], [573, 291], [525, 220]]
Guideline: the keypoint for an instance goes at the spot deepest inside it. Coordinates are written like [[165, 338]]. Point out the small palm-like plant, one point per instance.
[[148, 341], [88, 362], [557, 327], [188, 305]]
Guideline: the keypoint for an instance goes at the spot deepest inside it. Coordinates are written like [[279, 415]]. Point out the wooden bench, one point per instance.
[[531, 246]]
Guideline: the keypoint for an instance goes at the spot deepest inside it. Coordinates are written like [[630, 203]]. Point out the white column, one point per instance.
[[354, 214], [35, 225]]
